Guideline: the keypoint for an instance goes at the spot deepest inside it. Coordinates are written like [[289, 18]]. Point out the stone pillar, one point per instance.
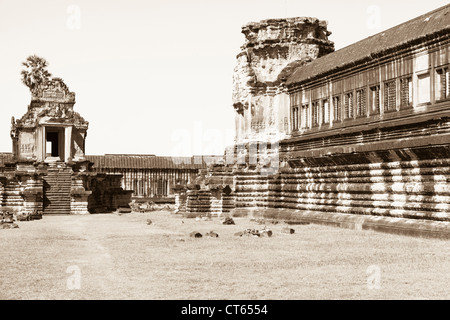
[[40, 143], [216, 202], [33, 196], [180, 198], [67, 143], [78, 196]]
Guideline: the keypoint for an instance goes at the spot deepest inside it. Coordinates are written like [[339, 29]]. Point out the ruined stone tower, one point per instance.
[[271, 50], [49, 173]]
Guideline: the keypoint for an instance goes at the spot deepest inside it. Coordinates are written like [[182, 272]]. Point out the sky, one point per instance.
[[155, 77]]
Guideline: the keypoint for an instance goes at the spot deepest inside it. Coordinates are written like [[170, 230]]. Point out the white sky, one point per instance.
[[155, 77]]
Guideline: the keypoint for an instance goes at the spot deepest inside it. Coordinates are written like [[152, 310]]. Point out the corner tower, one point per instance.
[[271, 50]]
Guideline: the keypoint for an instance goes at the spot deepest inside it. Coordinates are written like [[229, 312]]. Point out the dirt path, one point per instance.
[[122, 257]]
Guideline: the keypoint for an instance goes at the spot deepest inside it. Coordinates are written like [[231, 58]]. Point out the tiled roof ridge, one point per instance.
[[358, 51]]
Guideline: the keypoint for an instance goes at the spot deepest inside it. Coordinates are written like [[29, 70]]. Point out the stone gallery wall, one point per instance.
[[361, 140], [415, 188]]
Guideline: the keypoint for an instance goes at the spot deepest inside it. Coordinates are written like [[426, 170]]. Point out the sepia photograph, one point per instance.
[[221, 156]]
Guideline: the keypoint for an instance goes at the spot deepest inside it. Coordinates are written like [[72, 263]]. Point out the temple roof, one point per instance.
[[127, 161], [53, 90], [413, 31], [110, 161]]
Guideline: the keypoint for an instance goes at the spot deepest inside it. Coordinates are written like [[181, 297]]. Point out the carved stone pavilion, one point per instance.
[[48, 172]]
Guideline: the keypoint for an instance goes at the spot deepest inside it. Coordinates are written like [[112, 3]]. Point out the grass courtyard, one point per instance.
[[112, 256]]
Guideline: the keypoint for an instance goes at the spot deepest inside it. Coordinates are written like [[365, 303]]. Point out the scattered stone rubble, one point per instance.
[[25, 216], [264, 221], [195, 234], [254, 232], [228, 221], [148, 206], [7, 221], [288, 230], [212, 234]]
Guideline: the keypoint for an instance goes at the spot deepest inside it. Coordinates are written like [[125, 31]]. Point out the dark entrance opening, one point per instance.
[[52, 144]]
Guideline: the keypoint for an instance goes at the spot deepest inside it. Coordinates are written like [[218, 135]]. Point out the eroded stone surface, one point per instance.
[[271, 49]]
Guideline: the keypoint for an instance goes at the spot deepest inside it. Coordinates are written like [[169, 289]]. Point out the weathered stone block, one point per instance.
[[195, 234], [212, 234], [228, 221], [288, 230]]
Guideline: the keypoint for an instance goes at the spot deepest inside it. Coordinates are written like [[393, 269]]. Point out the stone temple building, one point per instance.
[[357, 136], [47, 171]]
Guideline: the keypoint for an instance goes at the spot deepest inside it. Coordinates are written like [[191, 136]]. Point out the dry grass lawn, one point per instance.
[[121, 257]]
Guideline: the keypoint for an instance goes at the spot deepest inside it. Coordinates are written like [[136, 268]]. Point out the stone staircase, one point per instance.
[[57, 185], [12, 197], [198, 201]]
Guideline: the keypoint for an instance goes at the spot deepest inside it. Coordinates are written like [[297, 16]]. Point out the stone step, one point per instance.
[[12, 204], [56, 175], [63, 183], [12, 189], [12, 193], [55, 209], [57, 192], [57, 205], [59, 183], [50, 201], [57, 212], [59, 177], [64, 197]]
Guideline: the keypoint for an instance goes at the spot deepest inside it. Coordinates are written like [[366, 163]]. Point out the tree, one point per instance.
[[35, 73]]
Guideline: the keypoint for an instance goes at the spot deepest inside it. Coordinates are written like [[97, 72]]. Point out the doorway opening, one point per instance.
[[54, 143]]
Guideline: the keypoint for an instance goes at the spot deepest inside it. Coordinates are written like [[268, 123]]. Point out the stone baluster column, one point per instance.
[[32, 194], [180, 198]]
